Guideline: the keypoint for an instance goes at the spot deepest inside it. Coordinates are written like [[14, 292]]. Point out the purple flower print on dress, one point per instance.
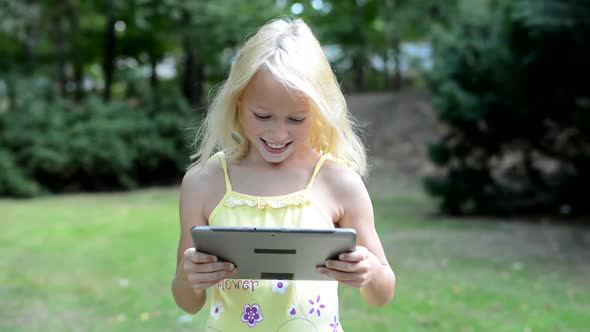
[[216, 310], [334, 325], [251, 314], [292, 310], [316, 306], [279, 286]]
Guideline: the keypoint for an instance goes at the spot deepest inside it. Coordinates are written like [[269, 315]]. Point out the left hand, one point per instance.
[[355, 268]]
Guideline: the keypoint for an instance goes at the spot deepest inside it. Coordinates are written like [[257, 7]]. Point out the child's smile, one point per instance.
[[275, 148]]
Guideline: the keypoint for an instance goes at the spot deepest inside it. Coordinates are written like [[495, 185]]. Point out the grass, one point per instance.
[[103, 262]]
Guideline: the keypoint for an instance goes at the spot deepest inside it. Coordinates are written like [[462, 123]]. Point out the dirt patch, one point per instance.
[[397, 128]]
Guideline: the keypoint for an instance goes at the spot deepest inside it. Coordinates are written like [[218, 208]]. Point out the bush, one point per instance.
[[510, 83], [12, 180], [94, 146]]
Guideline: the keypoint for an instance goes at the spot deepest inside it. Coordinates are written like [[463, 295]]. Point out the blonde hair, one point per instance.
[[290, 51]]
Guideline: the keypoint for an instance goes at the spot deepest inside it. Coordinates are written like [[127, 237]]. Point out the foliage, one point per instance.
[[57, 135], [61, 146], [12, 180], [510, 83], [368, 35]]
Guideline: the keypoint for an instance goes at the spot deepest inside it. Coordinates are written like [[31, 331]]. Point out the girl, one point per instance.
[[280, 120]]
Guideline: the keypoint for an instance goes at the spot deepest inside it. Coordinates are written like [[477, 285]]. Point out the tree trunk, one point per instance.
[[193, 74], [154, 83], [192, 82], [60, 45], [397, 75], [358, 58], [31, 28], [109, 54], [78, 80], [359, 72], [385, 69], [73, 14]]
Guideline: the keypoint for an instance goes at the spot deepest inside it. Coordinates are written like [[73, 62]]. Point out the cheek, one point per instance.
[[251, 126], [303, 130]]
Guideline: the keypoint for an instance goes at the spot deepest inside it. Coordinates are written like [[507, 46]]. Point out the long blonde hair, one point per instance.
[[290, 51]]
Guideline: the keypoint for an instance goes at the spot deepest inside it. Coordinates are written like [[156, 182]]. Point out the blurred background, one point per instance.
[[475, 114]]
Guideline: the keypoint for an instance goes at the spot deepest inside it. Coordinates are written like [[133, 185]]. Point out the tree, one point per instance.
[[349, 25], [510, 82], [109, 48], [366, 29], [206, 43], [410, 20]]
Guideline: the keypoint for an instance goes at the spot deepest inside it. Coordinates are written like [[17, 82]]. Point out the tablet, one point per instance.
[[274, 253]]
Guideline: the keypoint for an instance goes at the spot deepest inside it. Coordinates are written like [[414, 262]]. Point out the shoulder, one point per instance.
[[348, 194], [345, 186], [202, 184], [341, 179], [199, 176]]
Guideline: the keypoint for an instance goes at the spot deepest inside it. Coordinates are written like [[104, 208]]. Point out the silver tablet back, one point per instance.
[[274, 253]]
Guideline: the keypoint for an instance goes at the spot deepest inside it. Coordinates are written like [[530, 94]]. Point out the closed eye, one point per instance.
[[261, 117], [298, 120]]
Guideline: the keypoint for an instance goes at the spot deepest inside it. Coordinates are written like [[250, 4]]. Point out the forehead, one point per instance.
[[265, 91]]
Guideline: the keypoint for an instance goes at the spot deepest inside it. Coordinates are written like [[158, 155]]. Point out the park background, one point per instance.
[[475, 113]]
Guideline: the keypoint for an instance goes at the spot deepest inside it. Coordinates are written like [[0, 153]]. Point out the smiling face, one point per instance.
[[275, 120]]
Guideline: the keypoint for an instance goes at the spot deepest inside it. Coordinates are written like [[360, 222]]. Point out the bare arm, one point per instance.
[[367, 267], [195, 271]]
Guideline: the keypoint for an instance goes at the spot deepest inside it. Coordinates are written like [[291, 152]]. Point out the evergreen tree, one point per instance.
[[511, 82]]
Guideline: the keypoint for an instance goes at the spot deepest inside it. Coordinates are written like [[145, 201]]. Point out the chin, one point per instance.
[[275, 159]]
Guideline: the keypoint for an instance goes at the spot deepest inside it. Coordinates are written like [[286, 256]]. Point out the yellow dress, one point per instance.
[[271, 305]]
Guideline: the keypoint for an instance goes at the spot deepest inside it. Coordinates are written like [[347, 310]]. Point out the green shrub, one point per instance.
[[511, 84], [62, 146], [12, 180]]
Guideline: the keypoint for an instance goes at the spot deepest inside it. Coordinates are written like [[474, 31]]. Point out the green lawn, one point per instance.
[[103, 262]]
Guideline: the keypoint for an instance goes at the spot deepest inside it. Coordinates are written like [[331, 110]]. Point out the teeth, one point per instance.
[[276, 146]]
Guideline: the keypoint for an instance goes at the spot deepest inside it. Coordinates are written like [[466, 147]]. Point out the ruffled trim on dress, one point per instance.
[[234, 199]]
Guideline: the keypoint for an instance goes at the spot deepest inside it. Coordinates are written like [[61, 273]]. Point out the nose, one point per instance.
[[279, 133]]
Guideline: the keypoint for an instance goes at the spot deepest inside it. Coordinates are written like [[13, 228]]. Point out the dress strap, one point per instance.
[[221, 157], [316, 171]]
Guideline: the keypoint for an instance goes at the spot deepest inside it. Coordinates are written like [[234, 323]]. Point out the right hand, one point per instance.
[[202, 271]]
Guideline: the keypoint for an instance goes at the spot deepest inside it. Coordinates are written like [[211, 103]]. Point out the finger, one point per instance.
[[354, 256], [195, 278], [198, 257], [208, 267], [345, 266], [343, 276]]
